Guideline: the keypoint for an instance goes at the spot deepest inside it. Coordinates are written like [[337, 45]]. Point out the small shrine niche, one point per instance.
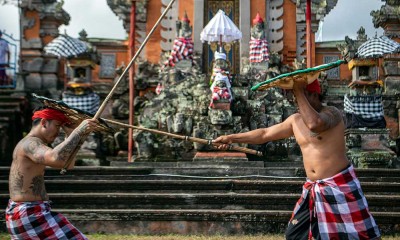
[[81, 69], [364, 76], [366, 134]]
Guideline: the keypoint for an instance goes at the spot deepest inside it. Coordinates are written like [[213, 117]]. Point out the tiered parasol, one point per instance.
[[220, 29]]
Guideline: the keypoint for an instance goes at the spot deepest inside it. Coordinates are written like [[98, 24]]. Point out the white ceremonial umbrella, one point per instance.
[[65, 46], [377, 47], [220, 28]]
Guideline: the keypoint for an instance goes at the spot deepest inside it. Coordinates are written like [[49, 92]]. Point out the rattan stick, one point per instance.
[[186, 138]]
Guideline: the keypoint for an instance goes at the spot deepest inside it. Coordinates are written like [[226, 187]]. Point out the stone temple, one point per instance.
[[182, 86]]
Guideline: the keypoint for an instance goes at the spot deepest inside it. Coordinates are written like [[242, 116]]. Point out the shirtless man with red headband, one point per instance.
[[332, 205], [28, 214]]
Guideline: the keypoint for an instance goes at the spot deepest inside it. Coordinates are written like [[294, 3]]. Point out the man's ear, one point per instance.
[[44, 122]]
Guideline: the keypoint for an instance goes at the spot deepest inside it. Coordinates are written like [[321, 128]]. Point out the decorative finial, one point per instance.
[[186, 18], [258, 19]]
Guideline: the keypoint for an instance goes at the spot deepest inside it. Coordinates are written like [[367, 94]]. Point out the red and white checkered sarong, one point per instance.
[[258, 50], [35, 220], [182, 49], [340, 206]]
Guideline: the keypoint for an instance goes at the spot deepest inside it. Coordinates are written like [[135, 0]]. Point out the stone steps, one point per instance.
[[95, 172], [196, 198], [197, 215], [208, 200], [193, 186]]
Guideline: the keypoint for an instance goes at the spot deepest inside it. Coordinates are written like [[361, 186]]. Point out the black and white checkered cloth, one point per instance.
[[66, 46], [364, 106], [377, 47], [89, 103]]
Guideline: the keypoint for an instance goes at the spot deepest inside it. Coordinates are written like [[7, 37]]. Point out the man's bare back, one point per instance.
[[27, 177], [323, 153]]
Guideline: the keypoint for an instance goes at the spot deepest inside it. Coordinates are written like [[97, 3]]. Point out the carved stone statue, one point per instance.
[[184, 30], [220, 66], [221, 89], [258, 42], [183, 45], [145, 141]]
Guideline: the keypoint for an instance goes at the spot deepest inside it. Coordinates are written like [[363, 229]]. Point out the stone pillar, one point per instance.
[[244, 28], [40, 22], [198, 23]]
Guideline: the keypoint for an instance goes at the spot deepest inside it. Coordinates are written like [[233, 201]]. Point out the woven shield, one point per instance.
[[75, 115]]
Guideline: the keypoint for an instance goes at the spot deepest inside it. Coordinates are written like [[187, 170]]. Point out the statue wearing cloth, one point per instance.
[[28, 214], [332, 205]]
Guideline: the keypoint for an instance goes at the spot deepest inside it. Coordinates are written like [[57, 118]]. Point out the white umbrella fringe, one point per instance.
[[220, 26]]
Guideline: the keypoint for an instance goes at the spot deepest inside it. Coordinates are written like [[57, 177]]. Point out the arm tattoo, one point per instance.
[[37, 187], [71, 143], [36, 149], [332, 116]]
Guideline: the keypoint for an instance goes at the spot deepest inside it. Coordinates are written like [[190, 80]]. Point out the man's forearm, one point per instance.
[[65, 150], [252, 137]]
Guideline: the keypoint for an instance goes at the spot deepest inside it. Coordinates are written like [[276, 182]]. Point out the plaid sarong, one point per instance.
[[89, 103], [35, 220], [364, 106], [340, 206], [182, 49], [258, 50]]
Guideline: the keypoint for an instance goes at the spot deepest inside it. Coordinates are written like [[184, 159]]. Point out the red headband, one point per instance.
[[50, 114], [314, 87]]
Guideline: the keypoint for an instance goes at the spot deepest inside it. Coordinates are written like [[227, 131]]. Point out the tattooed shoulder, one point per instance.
[[333, 116], [35, 148]]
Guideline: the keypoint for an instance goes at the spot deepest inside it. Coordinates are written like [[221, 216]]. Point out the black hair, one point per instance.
[[37, 120]]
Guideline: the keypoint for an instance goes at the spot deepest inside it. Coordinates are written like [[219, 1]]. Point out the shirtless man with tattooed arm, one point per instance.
[[29, 205], [319, 131]]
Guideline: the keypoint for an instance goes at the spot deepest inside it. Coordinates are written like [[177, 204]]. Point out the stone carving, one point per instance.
[[121, 141], [144, 143], [387, 18], [275, 37], [182, 51], [368, 148], [220, 66], [258, 43], [220, 90], [348, 50]]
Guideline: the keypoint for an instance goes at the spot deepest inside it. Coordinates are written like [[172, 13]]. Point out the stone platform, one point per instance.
[[198, 197], [220, 156]]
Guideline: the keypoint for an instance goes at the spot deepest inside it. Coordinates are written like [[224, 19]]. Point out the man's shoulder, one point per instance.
[[294, 117], [30, 141], [331, 109]]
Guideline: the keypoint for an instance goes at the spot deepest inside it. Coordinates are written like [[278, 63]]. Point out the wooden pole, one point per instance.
[[186, 138], [131, 80], [309, 34]]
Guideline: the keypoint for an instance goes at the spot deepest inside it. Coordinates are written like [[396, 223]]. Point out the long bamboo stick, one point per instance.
[[186, 138], [103, 105]]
